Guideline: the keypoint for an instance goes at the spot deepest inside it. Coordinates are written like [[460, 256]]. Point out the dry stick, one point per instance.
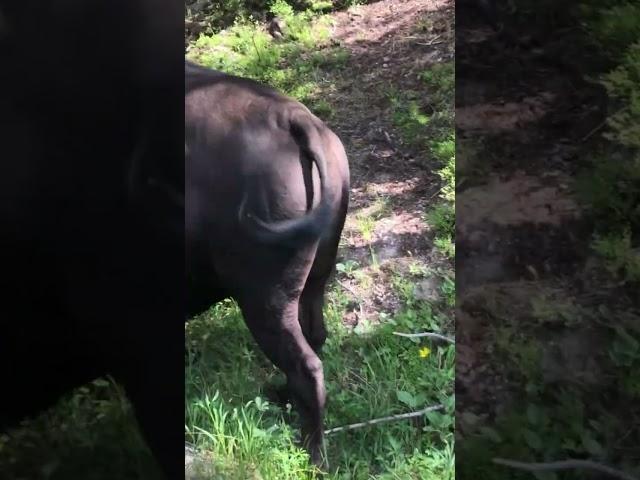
[[388, 138], [594, 130], [425, 334], [348, 288], [390, 418], [564, 465], [253, 39], [430, 44], [437, 192], [600, 125], [434, 41]]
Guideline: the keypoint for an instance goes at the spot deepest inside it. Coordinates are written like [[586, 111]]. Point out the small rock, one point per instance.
[[428, 290]]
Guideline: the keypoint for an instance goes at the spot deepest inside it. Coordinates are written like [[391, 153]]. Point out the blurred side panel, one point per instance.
[[548, 230], [91, 238]]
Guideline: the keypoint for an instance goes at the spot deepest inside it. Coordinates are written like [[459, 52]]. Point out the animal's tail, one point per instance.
[[308, 228]]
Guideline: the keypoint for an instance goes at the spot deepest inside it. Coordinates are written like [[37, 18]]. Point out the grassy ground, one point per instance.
[[394, 271], [90, 434]]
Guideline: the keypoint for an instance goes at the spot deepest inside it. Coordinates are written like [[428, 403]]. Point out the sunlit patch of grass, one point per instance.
[[369, 374], [246, 50], [426, 121], [367, 219]]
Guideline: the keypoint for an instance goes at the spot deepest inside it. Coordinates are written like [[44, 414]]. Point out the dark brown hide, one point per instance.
[[267, 188]]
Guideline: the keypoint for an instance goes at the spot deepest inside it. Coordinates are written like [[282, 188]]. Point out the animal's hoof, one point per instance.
[[319, 457], [320, 462]]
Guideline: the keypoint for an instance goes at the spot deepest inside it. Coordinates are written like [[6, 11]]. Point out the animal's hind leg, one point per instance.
[[312, 299], [275, 327], [310, 313]]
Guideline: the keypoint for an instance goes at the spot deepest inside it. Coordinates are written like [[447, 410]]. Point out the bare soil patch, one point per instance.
[[524, 264], [389, 43]]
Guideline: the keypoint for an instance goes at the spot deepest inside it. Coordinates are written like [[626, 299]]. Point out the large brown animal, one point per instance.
[[267, 188]]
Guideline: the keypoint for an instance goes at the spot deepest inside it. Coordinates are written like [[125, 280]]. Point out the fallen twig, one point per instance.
[[390, 418], [348, 288], [255, 46], [564, 465], [425, 334], [594, 130], [434, 41], [388, 138], [600, 125], [436, 193], [430, 44]]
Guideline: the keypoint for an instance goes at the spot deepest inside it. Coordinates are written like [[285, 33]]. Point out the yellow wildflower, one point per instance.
[[424, 352]]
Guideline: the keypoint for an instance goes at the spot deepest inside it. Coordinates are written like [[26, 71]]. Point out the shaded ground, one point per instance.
[[535, 309], [523, 221]]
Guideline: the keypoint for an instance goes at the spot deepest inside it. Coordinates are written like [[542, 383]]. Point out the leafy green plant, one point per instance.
[[385, 375], [623, 86], [612, 24], [347, 268], [611, 188], [619, 254], [449, 290], [442, 218]]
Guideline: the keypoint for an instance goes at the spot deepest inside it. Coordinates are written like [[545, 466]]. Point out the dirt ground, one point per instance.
[[517, 218], [526, 121], [389, 44]]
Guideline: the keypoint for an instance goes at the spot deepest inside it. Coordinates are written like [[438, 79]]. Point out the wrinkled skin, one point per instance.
[[246, 143]]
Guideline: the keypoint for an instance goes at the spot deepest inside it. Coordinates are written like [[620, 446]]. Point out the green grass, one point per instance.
[[425, 120], [367, 218], [574, 418], [369, 373], [292, 65], [90, 433], [442, 217]]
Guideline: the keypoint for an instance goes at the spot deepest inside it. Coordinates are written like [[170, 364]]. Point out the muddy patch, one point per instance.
[[518, 229], [520, 200], [494, 119]]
